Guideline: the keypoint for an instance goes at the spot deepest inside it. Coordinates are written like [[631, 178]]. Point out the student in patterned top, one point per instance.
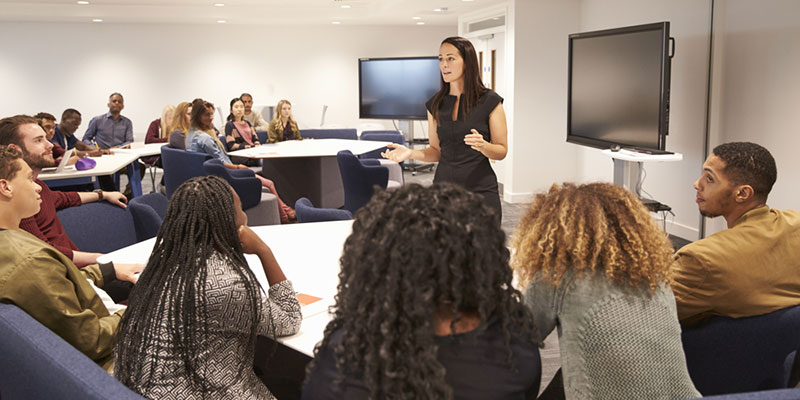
[[191, 325]]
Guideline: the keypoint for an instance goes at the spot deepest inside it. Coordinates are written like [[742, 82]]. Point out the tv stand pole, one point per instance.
[[628, 167], [413, 165]]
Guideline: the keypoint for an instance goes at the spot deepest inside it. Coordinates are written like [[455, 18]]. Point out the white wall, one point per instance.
[[537, 99], [758, 55], [50, 67]]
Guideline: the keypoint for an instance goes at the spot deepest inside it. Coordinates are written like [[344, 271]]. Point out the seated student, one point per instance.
[[61, 135], [158, 131], [239, 134], [45, 283], [255, 119], [596, 265], [23, 133], [751, 268], [426, 307], [48, 123], [201, 138], [180, 125], [191, 324], [283, 127]]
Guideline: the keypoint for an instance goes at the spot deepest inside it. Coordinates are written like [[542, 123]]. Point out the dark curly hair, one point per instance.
[[747, 163], [414, 251], [199, 224]]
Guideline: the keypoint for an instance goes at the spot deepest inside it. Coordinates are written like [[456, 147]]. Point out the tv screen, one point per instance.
[[396, 88], [619, 87]]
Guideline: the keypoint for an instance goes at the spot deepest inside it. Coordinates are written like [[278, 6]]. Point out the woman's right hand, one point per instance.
[[251, 243], [398, 152]]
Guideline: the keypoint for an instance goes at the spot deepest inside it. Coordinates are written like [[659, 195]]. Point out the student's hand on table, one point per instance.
[[475, 140], [116, 198], [251, 243], [257, 144], [98, 153], [399, 153], [128, 272]]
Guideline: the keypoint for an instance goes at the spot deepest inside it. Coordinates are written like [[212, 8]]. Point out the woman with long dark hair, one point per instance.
[[597, 267], [202, 139], [466, 126], [239, 134], [430, 313], [191, 324]]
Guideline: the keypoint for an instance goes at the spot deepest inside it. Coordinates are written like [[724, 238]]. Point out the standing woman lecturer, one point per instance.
[[466, 125]]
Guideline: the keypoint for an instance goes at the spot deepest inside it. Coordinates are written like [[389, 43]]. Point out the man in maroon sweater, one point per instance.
[[24, 133]]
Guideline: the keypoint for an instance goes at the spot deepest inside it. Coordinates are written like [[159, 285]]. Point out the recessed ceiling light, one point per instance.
[[441, 9], [416, 17], [221, 21], [97, 20], [83, 3], [420, 23], [467, 1], [336, 22], [219, 4], [345, 6]]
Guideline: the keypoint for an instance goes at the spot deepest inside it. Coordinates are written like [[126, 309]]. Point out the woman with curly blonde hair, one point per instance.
[[597, 266], [283, 126]]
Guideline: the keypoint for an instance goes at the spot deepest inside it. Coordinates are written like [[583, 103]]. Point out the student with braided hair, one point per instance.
[[431, 313], [191, 325]]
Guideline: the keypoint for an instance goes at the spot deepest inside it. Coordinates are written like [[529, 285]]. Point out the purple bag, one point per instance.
[[85, 163]]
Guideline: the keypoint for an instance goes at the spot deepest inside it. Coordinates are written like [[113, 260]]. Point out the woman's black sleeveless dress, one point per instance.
[[459, 163]]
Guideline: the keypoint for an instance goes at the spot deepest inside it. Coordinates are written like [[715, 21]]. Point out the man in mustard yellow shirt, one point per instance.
[[751, 268]]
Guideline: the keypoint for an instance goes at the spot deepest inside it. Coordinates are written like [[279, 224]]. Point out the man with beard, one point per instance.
[[23, 133], [751, 268]]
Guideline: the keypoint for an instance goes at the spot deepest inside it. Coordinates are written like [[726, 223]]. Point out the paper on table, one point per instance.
[[312, 305]]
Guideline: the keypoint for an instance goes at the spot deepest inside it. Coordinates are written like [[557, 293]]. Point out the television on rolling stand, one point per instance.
[[396, 88], [618, 93]]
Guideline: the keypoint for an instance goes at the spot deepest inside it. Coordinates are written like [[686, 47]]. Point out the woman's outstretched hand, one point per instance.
[[398, 152]]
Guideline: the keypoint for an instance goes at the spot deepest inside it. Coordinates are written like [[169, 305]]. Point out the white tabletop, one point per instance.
[[142, 149], [309, 148], [628, 155], [106, 165], [309, 256]]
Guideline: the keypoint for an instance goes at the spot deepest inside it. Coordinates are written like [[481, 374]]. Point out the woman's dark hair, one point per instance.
[[200, 107], [199, 224], [473, 86], [415, 251], [233, 101]]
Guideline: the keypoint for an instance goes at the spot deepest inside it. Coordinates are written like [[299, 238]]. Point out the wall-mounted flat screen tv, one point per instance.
[[618, 91], [396, 88]]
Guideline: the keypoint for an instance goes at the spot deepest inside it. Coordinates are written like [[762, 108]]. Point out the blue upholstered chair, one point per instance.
[[37, 364], [780, 394], [261, 207], [732, 355], [306, 212], [148, 213], [381, 136], [98, 227], [263, 136], [329, 134], [359, 178], [180, 166]]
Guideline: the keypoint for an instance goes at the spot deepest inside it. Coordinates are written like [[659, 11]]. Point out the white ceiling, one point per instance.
[[259, 12]]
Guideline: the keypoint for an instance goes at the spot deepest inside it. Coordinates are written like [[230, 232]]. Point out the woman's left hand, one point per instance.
[[475, 140], [257, 144]]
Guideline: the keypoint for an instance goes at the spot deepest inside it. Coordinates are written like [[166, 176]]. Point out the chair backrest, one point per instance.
[[780, 394], [263, 136], [180, 166], [37, 364], [381, 136], [243, 181], [98, 227], [359, 180], [329, 134], [307, 213], [731, 355], [148, 213]]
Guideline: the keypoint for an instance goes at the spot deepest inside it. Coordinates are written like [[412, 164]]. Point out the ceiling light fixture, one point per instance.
[[416, 17], [336, 22], [345, 6], [83, 3], [221, 21], [97, 20], [219, 4], [420, 23]]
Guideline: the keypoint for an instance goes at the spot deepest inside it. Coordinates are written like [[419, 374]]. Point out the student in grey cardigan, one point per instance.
[[596, 266]]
